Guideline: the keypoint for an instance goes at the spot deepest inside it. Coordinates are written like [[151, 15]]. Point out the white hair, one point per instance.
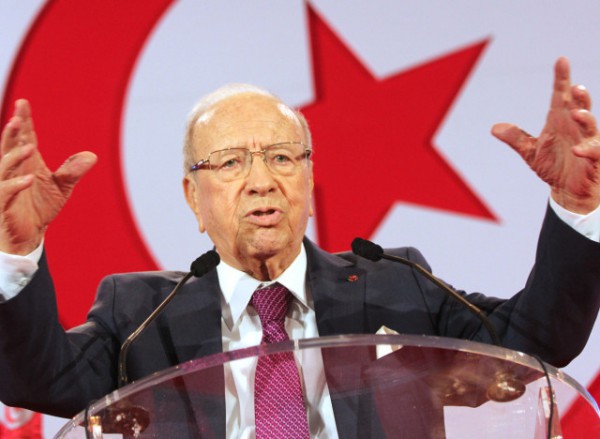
[[207, 102]]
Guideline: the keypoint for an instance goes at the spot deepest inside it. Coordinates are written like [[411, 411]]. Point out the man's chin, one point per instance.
[[269, 243]]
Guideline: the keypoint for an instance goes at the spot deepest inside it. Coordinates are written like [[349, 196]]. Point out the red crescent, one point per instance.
[[74, 66]]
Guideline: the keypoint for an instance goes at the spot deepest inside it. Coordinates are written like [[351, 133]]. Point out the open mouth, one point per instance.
[[263, 212], [265, 217]]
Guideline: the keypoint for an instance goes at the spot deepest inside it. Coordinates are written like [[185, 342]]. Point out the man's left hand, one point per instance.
[[566, 155]]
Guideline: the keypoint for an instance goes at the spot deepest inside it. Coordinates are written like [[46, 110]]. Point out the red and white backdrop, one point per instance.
[[400, 96]]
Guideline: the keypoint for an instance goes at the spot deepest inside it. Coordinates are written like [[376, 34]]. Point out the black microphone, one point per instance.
[[202, 265], [367, 249], [506, 387]]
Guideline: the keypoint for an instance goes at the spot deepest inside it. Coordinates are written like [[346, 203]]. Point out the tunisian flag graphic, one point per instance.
[[399, 98]]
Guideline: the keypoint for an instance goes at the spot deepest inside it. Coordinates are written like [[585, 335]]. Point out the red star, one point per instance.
[[373, 139]]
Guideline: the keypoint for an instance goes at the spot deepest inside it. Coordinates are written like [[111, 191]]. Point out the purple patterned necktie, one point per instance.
[[278, 403]]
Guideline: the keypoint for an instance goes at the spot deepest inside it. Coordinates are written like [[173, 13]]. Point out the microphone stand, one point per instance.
[[506, 386]]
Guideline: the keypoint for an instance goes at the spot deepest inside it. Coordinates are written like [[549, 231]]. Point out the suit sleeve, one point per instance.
[[554, 314], [46, 369]]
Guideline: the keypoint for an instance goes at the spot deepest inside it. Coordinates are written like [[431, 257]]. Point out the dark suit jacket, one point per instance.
[[48, 370]]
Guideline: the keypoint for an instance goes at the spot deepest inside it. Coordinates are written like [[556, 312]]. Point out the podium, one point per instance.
[[380, 386]]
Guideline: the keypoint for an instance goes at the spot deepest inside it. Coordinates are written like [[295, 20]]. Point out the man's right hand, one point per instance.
[[30, 195]]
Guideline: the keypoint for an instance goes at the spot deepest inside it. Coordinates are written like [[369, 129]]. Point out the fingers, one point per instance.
[[586, 121], [581, 97], [522, 142], [19, 129], [566, 95], [9, 189], [10, 135], [561, 94], [589, 148], [73, 169], [23, 111], [12, 160]]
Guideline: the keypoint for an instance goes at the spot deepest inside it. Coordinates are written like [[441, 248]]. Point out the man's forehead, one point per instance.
[[247, 106], [247, 114]]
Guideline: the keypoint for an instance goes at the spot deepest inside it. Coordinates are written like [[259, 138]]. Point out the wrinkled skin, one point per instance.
[[567, 152], [256, 223], [30, 194]]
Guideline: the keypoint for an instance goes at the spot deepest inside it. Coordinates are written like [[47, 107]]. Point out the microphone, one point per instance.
[[506, 387], [373, 252], [202, 265], [367, 249], [127, 419]]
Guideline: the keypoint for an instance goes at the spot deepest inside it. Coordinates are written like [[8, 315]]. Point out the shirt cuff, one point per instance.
[[17, 271], [588, 225]]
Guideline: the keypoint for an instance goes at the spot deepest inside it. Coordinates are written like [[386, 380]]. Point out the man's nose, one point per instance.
[[260, 179]]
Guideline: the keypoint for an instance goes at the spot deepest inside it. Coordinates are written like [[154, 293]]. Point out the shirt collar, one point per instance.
[[237, 287]]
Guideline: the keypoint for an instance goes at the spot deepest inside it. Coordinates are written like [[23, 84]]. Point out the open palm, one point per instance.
[[567, 152], [30, 194]]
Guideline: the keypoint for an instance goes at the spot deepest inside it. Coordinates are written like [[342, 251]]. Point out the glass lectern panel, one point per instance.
[[380, 386]]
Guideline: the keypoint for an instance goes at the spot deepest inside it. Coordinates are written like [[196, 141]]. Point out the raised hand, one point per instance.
[[566, 155], [30, 194]]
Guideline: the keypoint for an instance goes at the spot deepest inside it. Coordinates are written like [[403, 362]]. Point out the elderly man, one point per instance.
[[249, 183]]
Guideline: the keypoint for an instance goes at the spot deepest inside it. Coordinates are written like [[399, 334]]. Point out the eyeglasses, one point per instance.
[[233, 163]]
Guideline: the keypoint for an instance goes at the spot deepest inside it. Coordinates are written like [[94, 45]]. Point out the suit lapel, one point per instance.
[[338, 291], [195, 325], [195, 318], [338, 288]]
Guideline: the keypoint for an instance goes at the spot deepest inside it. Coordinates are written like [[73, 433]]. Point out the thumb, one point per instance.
[[74, 168], [514, 137]]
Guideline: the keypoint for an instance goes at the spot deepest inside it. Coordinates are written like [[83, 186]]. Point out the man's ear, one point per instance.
[[191, 192], [311, 188]]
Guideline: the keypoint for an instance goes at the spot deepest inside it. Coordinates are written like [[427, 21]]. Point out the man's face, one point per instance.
[[263, 215]]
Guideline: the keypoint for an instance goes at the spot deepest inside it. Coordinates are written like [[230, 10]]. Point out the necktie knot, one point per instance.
[[271, 303]]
